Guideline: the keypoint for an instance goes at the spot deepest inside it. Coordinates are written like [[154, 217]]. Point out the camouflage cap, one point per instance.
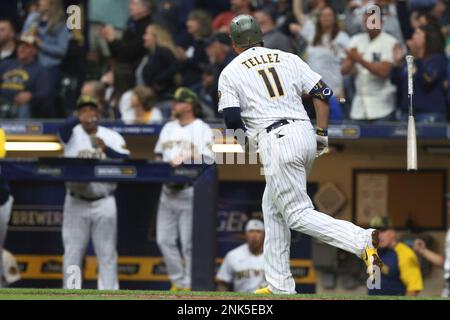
[[381, 223], [186, 95], [87, 101]]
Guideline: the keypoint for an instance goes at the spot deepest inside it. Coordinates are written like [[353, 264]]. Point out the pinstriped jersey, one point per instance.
[[267, 85]]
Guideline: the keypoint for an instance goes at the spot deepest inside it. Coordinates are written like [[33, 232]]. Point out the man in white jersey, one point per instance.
[[90, 207], [242, 269], [186, 139], [260, 93]]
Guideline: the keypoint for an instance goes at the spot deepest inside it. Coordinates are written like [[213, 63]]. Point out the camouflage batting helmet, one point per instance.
[[245, 31]]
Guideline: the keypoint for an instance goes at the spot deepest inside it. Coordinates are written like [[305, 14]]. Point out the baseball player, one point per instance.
[[90, 208], [260, 93], [184, 139], [242, 269], [6, 203]]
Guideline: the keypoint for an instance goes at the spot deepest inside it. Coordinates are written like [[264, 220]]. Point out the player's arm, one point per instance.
[[113, 154], [321, 94], [116, 150], [66, 130], [233, 119], [158, 151], [224, 277]]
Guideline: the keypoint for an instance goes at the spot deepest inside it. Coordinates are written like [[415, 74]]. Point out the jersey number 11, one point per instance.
[[268, 84]]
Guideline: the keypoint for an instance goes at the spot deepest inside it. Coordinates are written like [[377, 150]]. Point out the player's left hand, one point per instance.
[[322, 145]]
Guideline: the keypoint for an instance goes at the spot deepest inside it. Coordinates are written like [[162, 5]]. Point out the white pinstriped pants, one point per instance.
[[174, 222], [289, 153], [5, 215], [83, 220]]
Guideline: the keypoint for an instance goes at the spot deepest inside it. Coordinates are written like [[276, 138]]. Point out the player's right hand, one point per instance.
[[322, 145]]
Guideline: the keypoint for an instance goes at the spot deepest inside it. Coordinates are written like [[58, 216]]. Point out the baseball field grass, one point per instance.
[[54, 294]]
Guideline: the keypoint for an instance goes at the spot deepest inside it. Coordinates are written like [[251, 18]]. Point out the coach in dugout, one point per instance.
[[242, 269], [90, 207], [401, 274], [185, 139]]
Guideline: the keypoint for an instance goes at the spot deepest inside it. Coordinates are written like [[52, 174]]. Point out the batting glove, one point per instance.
[[322, 142]]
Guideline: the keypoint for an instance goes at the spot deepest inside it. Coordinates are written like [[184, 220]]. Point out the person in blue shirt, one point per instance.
[[401, 274], [24, 82], [430, 75], [48, 25]]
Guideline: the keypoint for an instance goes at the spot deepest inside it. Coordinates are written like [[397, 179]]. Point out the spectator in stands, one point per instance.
[[306, 21], [391, 24], [441, 261], [101, 13], [430, 99], [191, 51], [159, 66], [242, 269], [221, 22], [326, 48], [142, 102], [273, 38], [167, 14], [48, 25], [284, 15], [206, 93], [7, 40], [220, 55], [370, 58], [24, 82], [129, 50], [97, 90], [401, 274], [421, 19], [435, 8]]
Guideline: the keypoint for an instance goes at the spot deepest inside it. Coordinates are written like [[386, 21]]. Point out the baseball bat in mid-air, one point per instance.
[[412, 137]]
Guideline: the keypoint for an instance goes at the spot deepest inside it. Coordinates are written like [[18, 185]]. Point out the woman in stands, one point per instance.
[[430, 99], [48, 24]]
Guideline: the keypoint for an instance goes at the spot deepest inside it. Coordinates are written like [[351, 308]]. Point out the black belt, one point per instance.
[[278, 124], [80, 197]]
